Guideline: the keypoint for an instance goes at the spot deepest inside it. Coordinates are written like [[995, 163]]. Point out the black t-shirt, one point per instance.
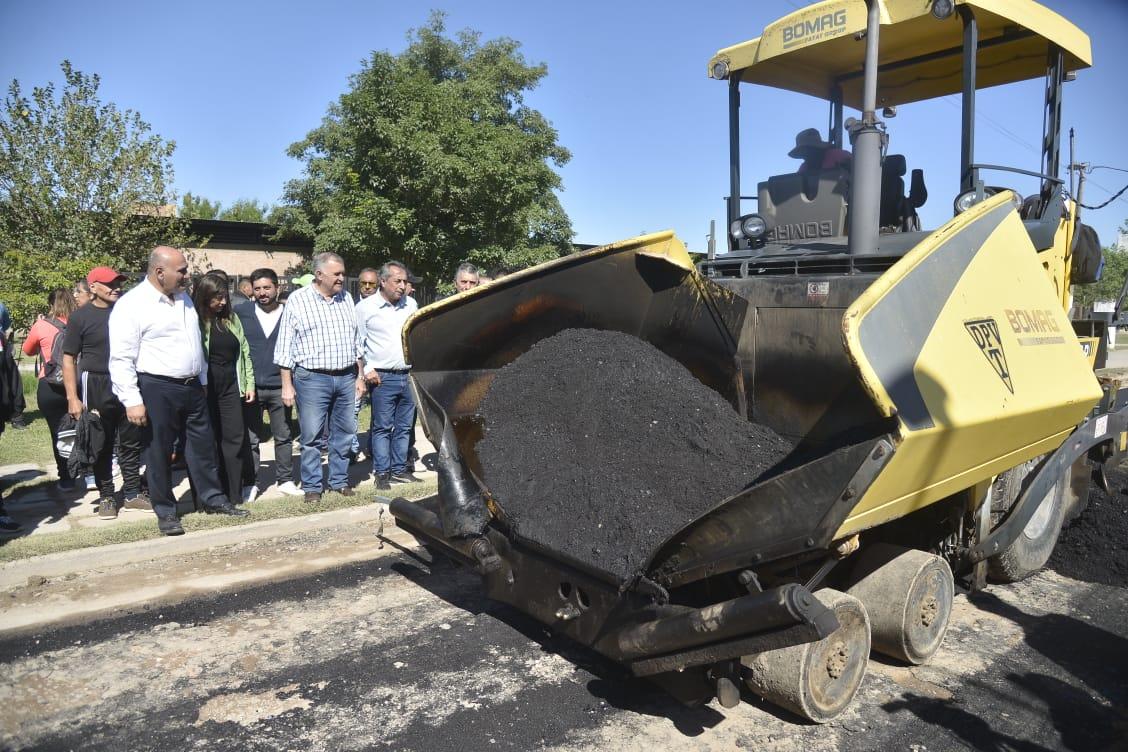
[[88, 337], [223, 349]]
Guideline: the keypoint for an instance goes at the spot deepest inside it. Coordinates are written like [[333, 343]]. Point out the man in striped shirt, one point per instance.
[[318, 358]]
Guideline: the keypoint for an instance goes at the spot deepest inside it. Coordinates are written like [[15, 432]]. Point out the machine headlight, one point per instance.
[[941, 9], [965, 201], [720, 70], [753, 226]]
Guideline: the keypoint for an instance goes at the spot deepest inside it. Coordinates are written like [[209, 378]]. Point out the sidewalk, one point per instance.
[[42, 509]]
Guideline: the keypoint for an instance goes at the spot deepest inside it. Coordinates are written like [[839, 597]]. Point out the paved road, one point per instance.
[[369, 648]]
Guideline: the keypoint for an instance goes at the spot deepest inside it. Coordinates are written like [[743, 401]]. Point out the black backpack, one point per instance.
[[53, 367]]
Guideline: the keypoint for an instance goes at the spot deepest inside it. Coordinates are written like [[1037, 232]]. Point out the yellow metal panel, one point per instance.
[[811, 50], [966, 342], [663, 244]]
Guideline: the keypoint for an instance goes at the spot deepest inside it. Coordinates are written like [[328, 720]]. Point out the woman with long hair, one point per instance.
[[50, 393], [231, 381]]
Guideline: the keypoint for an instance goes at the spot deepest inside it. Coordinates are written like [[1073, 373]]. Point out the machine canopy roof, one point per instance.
[[815, 49]]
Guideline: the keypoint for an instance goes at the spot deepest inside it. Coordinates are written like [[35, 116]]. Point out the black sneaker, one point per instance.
[[228, 509], [8, 526], [107, 508], [170, 526], [404, 477], [345, 491], [382, 482], [312, 497]]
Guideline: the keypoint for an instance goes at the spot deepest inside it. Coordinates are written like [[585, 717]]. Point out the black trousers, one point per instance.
[[97, 394], [280, 421], [52, 401], [225, 406], [175, 408]]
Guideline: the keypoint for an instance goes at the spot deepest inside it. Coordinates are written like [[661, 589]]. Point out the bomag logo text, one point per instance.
[[801, 231], [813, 29], [1024, 321]]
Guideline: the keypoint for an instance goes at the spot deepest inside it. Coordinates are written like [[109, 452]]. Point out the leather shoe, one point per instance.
[[170, 526], [228, 509], [312, 497], [382, 483], [345, 491]]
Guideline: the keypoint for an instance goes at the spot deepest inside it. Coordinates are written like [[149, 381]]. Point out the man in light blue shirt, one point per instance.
[[317, 355], [380, 319]]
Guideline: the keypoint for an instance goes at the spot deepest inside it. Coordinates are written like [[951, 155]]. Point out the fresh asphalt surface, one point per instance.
[[390, 653]]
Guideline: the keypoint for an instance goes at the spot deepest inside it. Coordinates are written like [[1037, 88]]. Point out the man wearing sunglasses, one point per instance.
[[86, 378]]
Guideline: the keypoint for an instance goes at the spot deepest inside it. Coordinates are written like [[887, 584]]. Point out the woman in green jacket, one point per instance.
[[231, 382]]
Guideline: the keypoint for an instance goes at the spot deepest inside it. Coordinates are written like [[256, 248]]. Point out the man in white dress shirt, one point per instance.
[[379, 324], [158, 371]]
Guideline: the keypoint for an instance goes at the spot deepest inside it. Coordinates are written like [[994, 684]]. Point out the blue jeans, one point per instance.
[[355, 449], [392, 408], [325, 403]]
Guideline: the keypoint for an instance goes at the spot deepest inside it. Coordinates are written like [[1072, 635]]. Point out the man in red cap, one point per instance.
[[86, 377]]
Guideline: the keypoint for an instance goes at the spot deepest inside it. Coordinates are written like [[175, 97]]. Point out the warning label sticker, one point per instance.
[[985, 333]]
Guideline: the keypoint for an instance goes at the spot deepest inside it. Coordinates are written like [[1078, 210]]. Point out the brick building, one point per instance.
[[239, 248]]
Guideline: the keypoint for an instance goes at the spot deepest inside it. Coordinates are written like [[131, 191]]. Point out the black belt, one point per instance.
[[393, 370], [332, 371], [189, 381]]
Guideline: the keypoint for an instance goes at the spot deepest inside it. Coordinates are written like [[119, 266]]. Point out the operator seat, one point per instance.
[[898, 211]]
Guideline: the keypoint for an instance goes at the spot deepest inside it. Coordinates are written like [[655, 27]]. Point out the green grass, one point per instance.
[[127, 532], [32, 445]]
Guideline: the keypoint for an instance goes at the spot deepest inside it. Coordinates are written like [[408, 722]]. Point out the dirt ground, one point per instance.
[[325, 641]]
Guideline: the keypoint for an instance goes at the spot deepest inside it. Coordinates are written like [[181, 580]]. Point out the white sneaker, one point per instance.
[[290, 489], [250, 493]]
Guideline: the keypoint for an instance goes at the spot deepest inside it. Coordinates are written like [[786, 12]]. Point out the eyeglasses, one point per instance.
[[369, 284]]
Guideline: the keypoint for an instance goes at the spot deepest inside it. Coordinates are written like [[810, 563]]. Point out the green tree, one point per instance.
[[198, 207], [432, 157], [1112, 278], [81, 183], [245, 210]]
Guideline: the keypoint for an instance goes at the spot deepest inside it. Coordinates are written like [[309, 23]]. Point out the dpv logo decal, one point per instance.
[[985, 332]]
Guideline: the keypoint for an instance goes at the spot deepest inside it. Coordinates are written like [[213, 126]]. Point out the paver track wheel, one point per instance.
[[817, 680]]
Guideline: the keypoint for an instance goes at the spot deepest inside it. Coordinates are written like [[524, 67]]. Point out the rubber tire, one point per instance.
[[1032, 548], [908, 596], [799, 679]]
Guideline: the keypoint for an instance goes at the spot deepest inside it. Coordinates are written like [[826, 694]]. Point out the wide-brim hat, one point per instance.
[[806, 140]]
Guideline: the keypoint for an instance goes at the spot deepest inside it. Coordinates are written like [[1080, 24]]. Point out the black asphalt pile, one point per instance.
[[599, 446], [1094, 547]]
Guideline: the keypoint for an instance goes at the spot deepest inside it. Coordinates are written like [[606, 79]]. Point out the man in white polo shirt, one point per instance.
[[379, 324], [158, 371]]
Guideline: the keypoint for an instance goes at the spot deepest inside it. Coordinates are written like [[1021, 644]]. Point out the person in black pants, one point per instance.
[[50, 394], [158, 371], [260, 318], [231, 382], [86, 354]]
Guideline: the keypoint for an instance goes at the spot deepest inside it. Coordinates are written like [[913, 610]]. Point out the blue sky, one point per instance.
[[235, 83]]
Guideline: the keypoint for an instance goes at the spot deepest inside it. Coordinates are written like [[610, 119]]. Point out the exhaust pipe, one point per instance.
[[865, 199]]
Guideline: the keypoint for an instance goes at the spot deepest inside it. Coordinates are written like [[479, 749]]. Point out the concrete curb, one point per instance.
[[118, 554]]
